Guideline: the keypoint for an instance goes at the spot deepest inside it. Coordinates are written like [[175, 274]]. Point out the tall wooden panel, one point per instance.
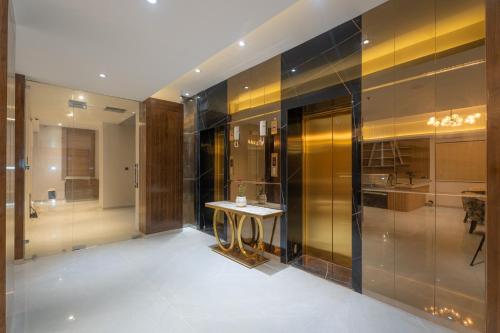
[[20, 167], [78, 152], [493, 157], [160, 181]]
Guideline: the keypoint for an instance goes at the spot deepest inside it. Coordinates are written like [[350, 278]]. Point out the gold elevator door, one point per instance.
[[327, 186]]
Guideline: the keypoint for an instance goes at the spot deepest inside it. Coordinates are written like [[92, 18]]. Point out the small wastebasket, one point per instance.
[[51, 194]]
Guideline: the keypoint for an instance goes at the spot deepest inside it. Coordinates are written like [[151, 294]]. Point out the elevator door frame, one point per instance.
[[218, 182], [339, 226]]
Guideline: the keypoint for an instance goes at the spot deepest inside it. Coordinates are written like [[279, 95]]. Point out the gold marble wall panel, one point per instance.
[[257, 87], [254, 96], [424, 80]]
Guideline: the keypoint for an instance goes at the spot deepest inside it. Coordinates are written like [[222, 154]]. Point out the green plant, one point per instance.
[[241, 190]]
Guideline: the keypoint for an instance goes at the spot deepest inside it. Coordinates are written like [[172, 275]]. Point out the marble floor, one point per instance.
[[62, 226], [172, 282]]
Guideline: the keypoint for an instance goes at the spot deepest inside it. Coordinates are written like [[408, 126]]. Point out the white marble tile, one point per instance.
[[175, 283]]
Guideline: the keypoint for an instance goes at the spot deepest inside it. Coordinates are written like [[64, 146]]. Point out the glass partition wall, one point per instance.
[[424, 157], [82, 177]]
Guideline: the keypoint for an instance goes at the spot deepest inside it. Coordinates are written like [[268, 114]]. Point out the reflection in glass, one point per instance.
[[424, 157]]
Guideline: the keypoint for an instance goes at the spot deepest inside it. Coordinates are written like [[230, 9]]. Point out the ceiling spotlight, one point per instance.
[[102, 76], [186, 94], [293, 70], [81, 97], [70, 114], [246, 87], [59, 124], [152, 2], [197, 70], [366, 42], [242, 43]]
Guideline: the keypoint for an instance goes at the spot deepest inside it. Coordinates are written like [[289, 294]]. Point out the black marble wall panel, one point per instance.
[[212, 107], [322, 69], [190, 162], [211, 117]]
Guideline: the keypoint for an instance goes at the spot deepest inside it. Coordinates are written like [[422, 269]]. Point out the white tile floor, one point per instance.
[[174, 283]]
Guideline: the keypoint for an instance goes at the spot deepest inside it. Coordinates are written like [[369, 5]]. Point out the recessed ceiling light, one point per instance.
[[186, 94], [197, 70], [246, 87], [366, 42], [102, 76], [242, 43], [152, 2], [81, 97], [70, 114], [59, 124], [293, 70]]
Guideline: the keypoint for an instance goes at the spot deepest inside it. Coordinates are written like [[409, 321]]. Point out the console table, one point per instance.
[[236, 217]]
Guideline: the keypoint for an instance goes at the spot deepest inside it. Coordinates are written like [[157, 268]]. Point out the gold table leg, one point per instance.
[[216, 233], [260, 240]]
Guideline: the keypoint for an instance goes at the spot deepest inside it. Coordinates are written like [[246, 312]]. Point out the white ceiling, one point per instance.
[[141, 47], [144, 47], [295, 25]]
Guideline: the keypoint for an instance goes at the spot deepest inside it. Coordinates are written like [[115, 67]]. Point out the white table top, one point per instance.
[[248, 210]]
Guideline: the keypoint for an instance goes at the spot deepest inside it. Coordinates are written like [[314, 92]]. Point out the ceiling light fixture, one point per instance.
[[186, 94], [242, 43], [59, 124], [293, 70], [153, 2], [70, 114], [246, 87], [453, 120], [366, 42], [102, 76], [81, 97], [197, 70]]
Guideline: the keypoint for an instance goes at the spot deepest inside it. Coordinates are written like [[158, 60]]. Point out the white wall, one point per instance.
[[118, 153], [47, 155]]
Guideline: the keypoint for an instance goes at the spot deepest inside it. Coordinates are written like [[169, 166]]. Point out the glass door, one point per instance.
[[83, 177]]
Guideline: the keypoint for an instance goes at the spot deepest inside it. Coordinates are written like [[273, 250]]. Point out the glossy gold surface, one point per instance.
[[422, 68], [257, 87], [327, 186], [236, 221], [230, 219]]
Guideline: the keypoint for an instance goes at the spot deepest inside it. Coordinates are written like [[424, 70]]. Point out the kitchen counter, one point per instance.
[[403, 197], [417, 184]]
